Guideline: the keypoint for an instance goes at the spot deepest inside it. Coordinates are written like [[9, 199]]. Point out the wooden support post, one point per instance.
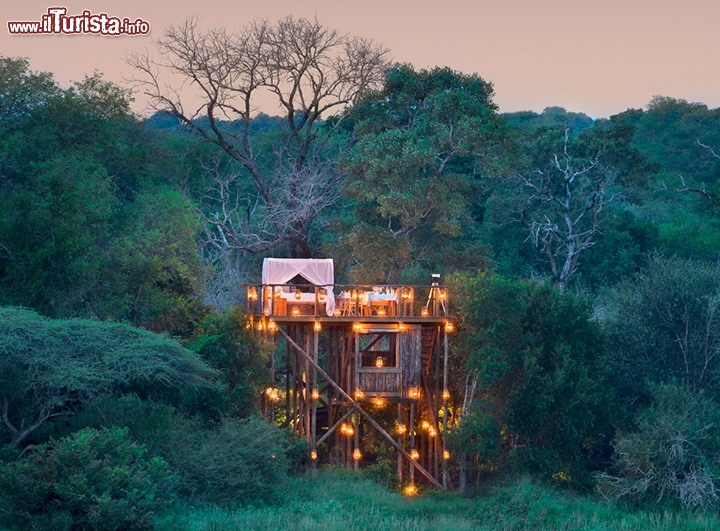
[[445, 409], [364, 413], [411, 428], [400, 438]]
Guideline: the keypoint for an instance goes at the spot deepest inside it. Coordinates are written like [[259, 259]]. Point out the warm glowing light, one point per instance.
[[432, 432], [401, 327], [401, 429], [414, 393], [313, 455], [273, 394], [414, 454], [446, 394], [338, 313], [407, 295], [315, 395], [443, 295], [297, 295], [347, 429], [425, 425], [321, 296], [379, 402], [359, 394], [357, 454], [381, 312], [410, 490], [357, 327], [272, 326], [446, 455], [379, 362], [252, 294], [317, 326], [296, 311], [449, 327], [260, 326], [424, 312]]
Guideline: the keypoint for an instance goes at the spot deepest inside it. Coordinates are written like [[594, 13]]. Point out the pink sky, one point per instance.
[[599, 57]]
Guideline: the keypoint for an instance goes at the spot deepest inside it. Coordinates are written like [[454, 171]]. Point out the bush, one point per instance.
[[240, 461], [94, 479], [672, 453]]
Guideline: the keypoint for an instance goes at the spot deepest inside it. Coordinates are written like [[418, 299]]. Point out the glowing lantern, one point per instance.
[[414, 393], [401, 429], [296, 311], [317, 326], [313, 455], [379, 362], [297, 294], [449, 327], [357, 454], [446, 455], [273, 394], [410, 490], [424, 312], [446, 394], [359, 394], [315, 395], [414, 454]]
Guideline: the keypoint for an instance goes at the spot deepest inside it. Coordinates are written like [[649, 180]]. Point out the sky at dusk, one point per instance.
[[599, 57]]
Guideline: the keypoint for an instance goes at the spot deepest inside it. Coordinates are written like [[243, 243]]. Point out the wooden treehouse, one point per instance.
[[357, 363]]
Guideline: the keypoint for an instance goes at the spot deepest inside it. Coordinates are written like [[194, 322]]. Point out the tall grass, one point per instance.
[[337, 500]]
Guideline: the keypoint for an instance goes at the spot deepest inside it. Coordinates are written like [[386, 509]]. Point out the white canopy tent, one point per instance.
[[320, 272]]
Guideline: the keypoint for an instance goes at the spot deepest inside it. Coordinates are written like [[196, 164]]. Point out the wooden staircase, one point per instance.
[[429, 339]]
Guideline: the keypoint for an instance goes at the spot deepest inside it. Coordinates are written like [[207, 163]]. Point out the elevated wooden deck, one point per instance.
[[347, 304]]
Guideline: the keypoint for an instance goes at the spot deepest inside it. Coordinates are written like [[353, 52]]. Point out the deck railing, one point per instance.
[[347, 300]]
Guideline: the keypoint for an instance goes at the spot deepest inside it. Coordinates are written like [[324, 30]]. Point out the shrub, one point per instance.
[[240, 461], [671, 454], [94, 479]]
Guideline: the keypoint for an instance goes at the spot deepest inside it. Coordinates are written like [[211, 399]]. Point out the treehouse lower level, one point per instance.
[[363, 376]]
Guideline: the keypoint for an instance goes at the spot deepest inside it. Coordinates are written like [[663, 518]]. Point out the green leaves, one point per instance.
[[52, 367], [422, 141], [94, 479]]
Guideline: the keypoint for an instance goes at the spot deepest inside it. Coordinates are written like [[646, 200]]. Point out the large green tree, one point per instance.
[[535, 390], [88, 225], [51, 368], [423, 144], [664, 327]]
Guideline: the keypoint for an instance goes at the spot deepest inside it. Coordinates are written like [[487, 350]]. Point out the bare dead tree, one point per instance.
[[309, 71], [564, 209], [701, 191]]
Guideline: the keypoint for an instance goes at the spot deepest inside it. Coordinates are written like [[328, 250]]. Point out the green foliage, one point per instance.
[[538, 362], [663, 326], [95, 479], [336, 500], [53, 367], [86, 230], [238, 461], [240, 357], [550, 117], [671, 454], [423, 141]]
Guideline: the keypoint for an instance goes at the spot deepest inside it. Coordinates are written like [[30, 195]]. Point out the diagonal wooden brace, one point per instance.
[[364, 413]]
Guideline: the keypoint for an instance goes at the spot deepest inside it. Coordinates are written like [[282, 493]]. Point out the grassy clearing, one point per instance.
[[336, 500]]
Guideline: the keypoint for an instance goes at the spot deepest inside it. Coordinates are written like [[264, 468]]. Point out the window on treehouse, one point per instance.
[[378, 350]]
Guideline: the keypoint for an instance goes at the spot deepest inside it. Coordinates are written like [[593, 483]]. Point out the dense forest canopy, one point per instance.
[[582, 256]]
